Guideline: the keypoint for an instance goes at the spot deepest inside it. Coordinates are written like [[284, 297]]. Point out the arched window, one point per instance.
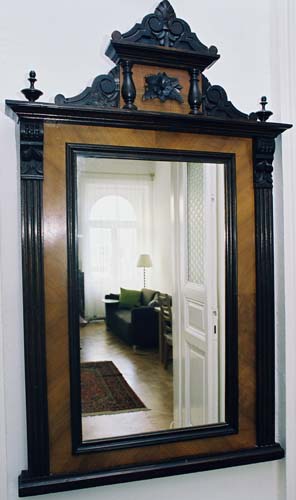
[[113, 208], [115, 225], [113, 241]]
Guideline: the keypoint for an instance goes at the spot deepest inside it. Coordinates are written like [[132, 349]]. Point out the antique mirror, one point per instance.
[[147, 244]]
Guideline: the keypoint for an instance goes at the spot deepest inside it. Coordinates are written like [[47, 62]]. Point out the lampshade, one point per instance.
[[144, 260]]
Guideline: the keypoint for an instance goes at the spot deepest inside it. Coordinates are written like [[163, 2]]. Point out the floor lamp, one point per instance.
[[144, 261]]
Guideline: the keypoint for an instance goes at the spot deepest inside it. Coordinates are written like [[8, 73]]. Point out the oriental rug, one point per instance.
[[104, 390]]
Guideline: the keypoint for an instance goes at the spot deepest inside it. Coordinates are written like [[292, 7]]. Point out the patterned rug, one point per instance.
[[104, 390]]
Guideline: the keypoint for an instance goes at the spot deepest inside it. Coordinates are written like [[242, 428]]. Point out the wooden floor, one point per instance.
[[143, 372]]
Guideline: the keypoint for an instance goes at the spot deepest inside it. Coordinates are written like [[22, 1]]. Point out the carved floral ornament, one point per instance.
[[163, 87]]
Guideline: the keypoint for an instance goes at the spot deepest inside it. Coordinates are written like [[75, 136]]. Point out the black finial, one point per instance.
[[263, 114], [31, 93], [165, 10]]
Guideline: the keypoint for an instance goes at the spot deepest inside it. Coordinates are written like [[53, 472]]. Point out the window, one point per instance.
[[115, 229]]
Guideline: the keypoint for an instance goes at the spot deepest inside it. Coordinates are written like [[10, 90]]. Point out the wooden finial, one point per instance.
[[31, 93], [263, 114]]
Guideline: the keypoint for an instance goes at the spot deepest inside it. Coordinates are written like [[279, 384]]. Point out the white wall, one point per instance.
[[64, 42], [283, 63]]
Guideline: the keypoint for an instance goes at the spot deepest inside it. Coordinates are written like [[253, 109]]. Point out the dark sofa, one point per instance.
[[137, 326]]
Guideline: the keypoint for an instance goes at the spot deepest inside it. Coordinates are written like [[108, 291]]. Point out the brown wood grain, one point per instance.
[[55, 259], [170, 106]]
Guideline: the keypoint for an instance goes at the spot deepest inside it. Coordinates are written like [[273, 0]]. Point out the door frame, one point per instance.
[[180, 256]]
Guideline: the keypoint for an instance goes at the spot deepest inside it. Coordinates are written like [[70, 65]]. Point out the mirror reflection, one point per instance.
[[151, 269]]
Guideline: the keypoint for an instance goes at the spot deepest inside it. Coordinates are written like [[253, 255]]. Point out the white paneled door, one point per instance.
[[197, 335]]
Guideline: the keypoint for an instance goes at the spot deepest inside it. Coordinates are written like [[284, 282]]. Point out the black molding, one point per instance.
[[29, 486], [157, 56], [154, 438], [73, 297], [231, 294], [104, 92], [231, 343], [145, 120], [263, 149], [31, 166]]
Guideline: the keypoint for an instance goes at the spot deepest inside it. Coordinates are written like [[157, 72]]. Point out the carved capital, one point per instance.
[[31, 149], [264, 148], [31, 131]]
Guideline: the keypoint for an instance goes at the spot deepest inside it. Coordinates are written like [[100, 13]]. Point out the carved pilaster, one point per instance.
[[31, 162], [264, 148]]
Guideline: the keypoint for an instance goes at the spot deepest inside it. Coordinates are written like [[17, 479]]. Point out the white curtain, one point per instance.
[[114, 227]]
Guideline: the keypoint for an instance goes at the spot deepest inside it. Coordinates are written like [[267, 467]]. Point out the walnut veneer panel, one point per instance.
[[55, 250], [170, 106]]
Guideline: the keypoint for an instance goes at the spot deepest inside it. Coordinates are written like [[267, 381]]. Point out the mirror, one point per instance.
[[151, 294]]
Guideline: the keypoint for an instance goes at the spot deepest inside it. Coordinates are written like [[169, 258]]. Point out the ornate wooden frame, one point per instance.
[[163, 42]]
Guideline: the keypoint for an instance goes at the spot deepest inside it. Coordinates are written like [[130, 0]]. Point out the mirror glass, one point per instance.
[[151, 271]]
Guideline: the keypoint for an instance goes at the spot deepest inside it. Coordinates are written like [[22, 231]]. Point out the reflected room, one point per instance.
[[151, 273]]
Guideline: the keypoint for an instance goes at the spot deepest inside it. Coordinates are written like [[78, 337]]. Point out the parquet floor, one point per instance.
[[143, 372]]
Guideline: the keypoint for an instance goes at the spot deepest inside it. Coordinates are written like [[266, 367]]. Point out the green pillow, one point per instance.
[[129, 298]]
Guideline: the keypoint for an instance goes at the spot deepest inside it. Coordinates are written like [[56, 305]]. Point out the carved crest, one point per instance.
[[165, 29], [162, 40]]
